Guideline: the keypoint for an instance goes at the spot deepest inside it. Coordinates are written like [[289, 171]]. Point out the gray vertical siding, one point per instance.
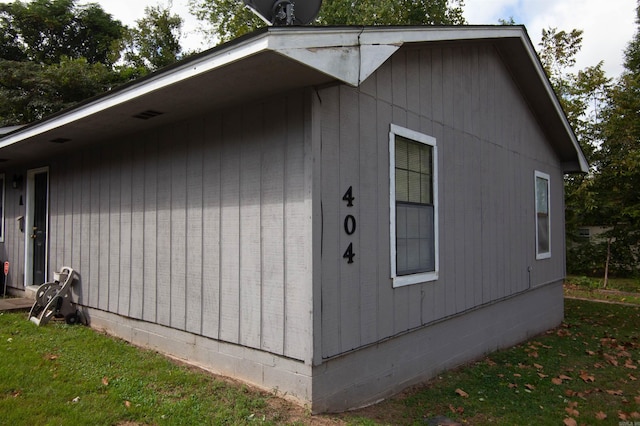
[[204, 226], [489, 145]]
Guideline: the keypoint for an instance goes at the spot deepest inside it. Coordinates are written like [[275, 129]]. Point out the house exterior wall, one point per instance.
[[202, 226], [489, 146]]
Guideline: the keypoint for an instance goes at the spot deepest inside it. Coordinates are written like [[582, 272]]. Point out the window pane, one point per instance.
[[414, 187], [401, 153], [542, 215], [543, 233], [542, 199], [426, 163], [415, 239], [414, 157], [402, 185]]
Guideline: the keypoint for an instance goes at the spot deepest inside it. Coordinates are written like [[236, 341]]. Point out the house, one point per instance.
[[335, 213]]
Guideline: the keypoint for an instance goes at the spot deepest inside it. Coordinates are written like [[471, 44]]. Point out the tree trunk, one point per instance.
[[606, 265]]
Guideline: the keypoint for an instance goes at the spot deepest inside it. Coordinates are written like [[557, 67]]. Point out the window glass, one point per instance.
[[413, 204], [543, 240]]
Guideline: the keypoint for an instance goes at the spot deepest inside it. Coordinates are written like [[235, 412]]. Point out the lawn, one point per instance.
[[584, 372], [619, 290]]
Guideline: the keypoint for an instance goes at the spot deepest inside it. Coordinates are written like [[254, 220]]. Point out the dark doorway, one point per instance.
[[39, 234]]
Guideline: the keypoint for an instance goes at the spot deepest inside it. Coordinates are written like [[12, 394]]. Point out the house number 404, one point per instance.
[[349, 225]]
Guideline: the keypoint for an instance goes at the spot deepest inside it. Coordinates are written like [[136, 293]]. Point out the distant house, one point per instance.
[[336, 213]]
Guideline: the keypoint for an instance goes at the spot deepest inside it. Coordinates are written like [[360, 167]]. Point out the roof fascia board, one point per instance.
[[190, 69]]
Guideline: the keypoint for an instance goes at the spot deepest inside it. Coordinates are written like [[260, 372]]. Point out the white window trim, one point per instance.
[[545, 176], [403, 280]]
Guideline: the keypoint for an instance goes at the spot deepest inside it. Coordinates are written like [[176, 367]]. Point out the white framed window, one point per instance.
[[543, 223], [413, 206]]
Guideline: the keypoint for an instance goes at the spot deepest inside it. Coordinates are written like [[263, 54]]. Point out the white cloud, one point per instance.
[[608, 26]]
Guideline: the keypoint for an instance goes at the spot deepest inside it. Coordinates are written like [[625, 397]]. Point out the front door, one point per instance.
[[36, 230]]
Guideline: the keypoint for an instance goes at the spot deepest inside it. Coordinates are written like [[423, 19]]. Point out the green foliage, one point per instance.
[[230, 19], [30, 91], [56, 53], [44, 31], [608, 196], [392, 12], [155, 41]]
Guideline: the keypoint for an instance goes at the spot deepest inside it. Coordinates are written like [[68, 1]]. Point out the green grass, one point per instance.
[[620, 290], [72, 375], [586, 369]]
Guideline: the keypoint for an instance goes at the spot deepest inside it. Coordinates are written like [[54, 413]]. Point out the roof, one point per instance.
[[273, 60]]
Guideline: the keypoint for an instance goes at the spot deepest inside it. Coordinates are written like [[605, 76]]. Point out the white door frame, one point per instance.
[[28, 226]]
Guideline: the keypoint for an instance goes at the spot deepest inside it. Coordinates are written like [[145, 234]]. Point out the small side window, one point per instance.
[[543, 223]]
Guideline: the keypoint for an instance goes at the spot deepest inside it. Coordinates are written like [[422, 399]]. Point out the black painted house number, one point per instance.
[[349, 225]]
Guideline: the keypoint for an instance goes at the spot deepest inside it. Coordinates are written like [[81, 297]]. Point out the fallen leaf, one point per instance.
[[490, 362], [572, 411], [534, 354], [105, 381], [570, 422], [542, 376], [629, 364], [538, 366], [512, 385], [556, 381], [564, 377], [561, 354], [127, 404], [517, 375], [598, 365], [569, 393], [615, 392], [637, 399], [590, 353], [622, 416], [632, 378], [530, 387], [635, 415], [587, 377], [462, 393], [611, 359], [624, 354], [600, 415]]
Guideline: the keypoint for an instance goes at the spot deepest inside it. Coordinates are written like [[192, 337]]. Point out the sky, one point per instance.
[[608, 25]]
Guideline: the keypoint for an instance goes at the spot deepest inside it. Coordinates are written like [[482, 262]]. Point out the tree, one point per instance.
[[54, 53], [230, 19], [43, 31], [618, 174], [583, 95], [155, 41]]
